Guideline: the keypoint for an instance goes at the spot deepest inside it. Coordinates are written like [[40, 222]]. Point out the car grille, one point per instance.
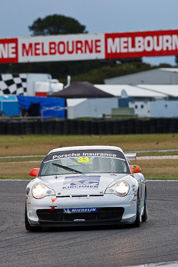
[[102, 214], [77, 196]]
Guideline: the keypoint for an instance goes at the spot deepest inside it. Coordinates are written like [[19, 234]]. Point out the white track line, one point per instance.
[[160, 264]]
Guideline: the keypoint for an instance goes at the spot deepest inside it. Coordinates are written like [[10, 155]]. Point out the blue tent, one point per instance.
[[42, 106], [9, 105]]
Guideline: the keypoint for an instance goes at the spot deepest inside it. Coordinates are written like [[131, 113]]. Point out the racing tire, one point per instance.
[[28, 227], [138, 220], [145, 212]]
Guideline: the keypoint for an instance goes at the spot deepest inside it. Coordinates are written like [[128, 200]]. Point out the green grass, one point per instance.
[[42, 144], [31, 145], [161, 177]]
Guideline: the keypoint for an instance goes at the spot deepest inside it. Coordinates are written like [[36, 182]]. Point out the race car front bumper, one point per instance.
[[108, 209]]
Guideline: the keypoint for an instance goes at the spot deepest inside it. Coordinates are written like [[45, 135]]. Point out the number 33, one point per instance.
[[86, 159]]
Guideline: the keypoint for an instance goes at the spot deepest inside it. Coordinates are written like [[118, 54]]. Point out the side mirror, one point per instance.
[[135, 168], [34, 172]]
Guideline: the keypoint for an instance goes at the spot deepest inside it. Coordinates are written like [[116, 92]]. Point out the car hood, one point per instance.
[[80, 184]]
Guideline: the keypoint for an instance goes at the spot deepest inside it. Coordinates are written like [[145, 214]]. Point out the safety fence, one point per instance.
[[90, 127]]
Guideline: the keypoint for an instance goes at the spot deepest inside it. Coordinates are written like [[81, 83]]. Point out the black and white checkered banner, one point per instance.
[[13, 84]]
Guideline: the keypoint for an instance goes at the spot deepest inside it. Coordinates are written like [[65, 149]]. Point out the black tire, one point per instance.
[[145, 213], [138, 220], [28, 226]]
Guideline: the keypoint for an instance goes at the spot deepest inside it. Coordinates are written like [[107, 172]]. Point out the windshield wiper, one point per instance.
[[66, 168]]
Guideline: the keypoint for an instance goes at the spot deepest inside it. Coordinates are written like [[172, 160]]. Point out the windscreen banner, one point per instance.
[[89, 46]]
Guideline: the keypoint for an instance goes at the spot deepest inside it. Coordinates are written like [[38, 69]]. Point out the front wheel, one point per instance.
[[27, 225], [145, 212], [138, 220]]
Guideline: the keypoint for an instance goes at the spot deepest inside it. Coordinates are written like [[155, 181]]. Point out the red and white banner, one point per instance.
[[89, 46], [9, 50], [61, 47], [141, 44]]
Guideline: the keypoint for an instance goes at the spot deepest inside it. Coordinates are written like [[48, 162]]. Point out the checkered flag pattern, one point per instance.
[[13, 84]]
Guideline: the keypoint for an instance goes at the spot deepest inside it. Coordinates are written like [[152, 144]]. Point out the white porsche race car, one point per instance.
[[86, 185]]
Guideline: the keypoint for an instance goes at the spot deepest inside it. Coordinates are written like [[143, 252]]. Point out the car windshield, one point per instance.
[[84, 162]]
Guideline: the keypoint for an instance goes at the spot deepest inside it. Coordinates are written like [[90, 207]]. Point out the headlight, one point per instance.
[[40, 190], [121, 189]]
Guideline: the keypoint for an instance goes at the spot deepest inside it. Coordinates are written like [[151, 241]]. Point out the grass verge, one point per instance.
[[30, 145], [165, 169], [42, 144]]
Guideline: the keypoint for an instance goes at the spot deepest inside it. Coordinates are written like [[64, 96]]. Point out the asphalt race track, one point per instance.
[[156, 241]]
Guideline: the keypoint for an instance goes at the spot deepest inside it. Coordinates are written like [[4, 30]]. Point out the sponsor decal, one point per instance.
[[53, 199], [65, 155], [81, 182], [80, 210], [83, 155]]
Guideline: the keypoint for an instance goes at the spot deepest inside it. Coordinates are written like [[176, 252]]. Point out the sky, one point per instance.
[[99, 16]]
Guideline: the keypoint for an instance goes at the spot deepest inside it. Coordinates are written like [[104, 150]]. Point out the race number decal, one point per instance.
[[84, 160]]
